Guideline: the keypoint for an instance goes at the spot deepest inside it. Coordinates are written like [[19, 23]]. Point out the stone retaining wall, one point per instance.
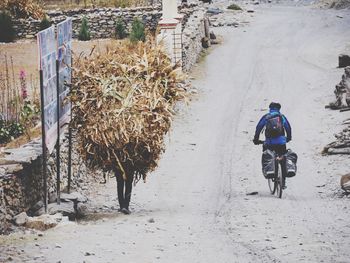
[[192, 36], [101, 20], [21, 178]]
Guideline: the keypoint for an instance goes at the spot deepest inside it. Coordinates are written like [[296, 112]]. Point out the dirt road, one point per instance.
[[194, 208]]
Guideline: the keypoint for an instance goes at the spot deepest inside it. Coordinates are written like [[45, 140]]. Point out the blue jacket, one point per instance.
[[278, 140]]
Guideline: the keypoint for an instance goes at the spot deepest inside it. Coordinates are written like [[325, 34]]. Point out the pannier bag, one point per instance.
[[268, 163], [291, 163]]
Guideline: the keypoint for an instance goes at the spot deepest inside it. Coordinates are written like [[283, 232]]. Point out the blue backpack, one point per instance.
[[274, 126]]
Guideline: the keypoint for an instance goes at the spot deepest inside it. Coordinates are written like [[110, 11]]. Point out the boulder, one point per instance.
[[21, 219], [65, 208], [74, 196], [45, 222], [205, 42], [345, 182], [344, 60], [82, 210], [37, 209]]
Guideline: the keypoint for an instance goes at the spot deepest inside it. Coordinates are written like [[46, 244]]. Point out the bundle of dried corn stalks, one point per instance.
[[123, 104], [23, 8]]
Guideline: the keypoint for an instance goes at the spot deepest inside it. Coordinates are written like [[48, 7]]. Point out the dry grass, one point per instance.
[[123, 106]]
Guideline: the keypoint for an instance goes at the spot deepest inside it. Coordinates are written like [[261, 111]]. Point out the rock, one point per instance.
[[344, 60], [345, 182], [21, 219], [214, 11], [250, 11], [65, 208], [151, 220], [205, 42], [38, 205], [44, 222], [82, 210], [37, 210], [74, 196], [52, 197]]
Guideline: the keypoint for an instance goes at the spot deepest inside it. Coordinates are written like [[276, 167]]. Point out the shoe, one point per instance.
[[284, 187], [125, 211]]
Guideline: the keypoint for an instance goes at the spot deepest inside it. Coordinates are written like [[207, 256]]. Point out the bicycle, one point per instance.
[[277, 183]]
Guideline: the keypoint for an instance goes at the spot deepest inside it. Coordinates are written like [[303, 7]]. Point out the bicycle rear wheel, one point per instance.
[[279, 181], [272, 185]]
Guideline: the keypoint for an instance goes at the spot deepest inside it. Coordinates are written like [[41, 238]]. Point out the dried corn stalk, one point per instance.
[[123, 104], [23, 8]]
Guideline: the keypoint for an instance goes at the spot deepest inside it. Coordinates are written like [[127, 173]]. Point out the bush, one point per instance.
[[45, 23], [15, 129], [137, 31], [10, 130], [234, 7], [120, 30], [84, 33], [7, 31]]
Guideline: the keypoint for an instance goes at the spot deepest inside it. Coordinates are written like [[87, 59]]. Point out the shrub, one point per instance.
[[137, 31], [234, 7], [7, 31], [45, 23], [84, 33], [10, 130], [15, 129], [120, 30], [4, 133]]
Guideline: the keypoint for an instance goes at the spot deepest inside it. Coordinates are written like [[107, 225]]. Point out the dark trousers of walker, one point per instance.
[[124, 190]]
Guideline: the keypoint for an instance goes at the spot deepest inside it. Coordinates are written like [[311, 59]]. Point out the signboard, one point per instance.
[[64, 57], [47, 63]]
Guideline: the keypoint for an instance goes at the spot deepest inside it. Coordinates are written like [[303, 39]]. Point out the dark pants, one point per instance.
[[124, 189], [277, 148]]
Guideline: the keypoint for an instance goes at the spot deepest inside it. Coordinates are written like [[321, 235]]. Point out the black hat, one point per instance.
[[275, 105]]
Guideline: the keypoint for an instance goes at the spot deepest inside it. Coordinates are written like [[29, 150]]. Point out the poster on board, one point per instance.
[[64, 57], [47, 63]]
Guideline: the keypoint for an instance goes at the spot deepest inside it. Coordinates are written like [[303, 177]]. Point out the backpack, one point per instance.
[[274, 126]]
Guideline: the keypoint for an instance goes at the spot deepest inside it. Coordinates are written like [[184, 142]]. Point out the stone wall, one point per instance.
[[192, 36], [21, 178], [101, 20]]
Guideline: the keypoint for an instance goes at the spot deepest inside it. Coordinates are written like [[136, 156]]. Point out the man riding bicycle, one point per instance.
[[276, 128], [276, 125]]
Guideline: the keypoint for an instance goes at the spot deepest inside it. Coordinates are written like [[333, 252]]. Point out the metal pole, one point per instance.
[[58, 159], [70, 139], [43, 139], [69, 156]]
